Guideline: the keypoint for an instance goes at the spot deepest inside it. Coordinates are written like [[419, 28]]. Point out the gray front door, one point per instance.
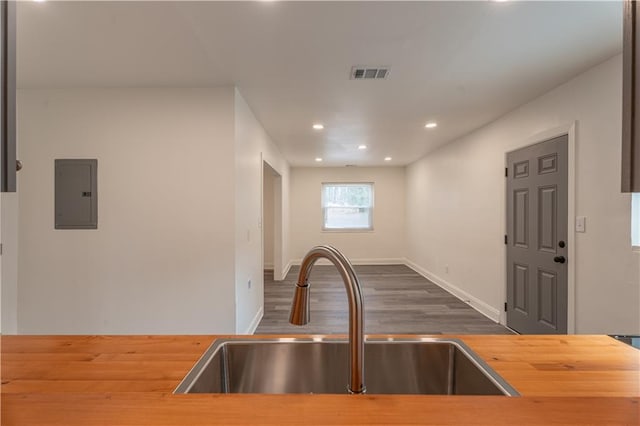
[[537, 238]]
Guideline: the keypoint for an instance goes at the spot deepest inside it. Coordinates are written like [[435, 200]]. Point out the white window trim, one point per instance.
[[348, 230], [635, 222]]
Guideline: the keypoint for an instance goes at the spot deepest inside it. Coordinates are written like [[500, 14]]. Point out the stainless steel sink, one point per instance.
[[319, 365]]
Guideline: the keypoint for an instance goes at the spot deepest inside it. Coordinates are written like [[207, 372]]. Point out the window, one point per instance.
[[347, 206], [635, 219]]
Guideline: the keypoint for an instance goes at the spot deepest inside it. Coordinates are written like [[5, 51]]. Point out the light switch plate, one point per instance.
[[581, 224]]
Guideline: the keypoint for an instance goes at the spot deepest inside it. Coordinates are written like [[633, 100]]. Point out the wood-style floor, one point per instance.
[[397, 300]]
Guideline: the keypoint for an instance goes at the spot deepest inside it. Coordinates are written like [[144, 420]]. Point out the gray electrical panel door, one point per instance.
[[76, 196]]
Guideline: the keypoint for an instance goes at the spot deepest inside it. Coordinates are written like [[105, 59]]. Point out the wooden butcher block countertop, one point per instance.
[[128, 380]]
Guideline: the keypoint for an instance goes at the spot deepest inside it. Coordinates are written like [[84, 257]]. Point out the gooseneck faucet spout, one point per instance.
[[300, 308]]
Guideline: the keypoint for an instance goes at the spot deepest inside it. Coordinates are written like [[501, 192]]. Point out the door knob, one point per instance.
[[559, 259]]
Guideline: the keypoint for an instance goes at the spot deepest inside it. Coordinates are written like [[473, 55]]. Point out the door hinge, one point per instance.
[[505, 306], [506, 172], [506, 239], [0, 249]]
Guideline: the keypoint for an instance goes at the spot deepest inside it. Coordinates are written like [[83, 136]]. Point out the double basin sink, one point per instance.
[[428, 366]]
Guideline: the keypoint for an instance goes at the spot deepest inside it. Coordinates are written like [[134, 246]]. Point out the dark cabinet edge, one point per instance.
[[8, 96], [631, 98]]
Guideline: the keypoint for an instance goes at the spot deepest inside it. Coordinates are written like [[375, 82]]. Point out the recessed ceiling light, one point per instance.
[[387, 158], [318, 126], [431, 125], [362, 147], [318, 159], [39, 1]]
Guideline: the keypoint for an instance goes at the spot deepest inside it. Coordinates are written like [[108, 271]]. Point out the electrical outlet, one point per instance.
[[446, 269]]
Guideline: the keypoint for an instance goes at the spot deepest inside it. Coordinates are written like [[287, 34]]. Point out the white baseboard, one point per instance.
[[378, 261], [477, 304], [268, 266], [286, 269], [255, 321]]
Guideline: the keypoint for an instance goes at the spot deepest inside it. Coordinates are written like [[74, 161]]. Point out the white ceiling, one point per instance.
[[462, 64]]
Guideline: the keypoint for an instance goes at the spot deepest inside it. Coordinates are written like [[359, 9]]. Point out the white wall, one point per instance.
[[268, 216], [252, 147], [9, 262], [162, 258], [385, 244], [456, 201]]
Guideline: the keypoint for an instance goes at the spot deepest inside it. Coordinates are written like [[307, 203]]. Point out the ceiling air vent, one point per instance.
[[369, 73]]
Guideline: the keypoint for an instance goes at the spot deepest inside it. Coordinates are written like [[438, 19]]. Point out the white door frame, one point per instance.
[[570, 131], [278, 273]]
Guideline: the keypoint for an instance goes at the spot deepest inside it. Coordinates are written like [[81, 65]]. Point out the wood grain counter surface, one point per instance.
[[128, 380]]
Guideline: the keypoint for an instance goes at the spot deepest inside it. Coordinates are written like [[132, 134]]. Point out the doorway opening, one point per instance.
[[271, 222]]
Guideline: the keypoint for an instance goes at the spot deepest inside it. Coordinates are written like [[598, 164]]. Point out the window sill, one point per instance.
[[347, 231]]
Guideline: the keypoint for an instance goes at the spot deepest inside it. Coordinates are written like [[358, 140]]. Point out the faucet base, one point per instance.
[[361, 392]]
